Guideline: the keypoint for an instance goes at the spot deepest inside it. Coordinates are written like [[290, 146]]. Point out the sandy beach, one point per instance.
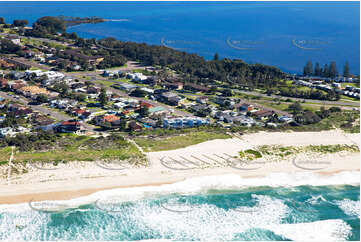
[[77, 179]]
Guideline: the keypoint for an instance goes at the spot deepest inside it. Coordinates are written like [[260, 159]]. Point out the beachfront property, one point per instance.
[[185, 122]]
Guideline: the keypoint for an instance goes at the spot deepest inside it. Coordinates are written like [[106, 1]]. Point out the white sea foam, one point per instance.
[[349, 207], [118, 20], [205, 183], [207, 222], [324, 230]]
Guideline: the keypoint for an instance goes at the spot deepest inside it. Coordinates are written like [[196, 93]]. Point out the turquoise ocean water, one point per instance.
[[214, 212]]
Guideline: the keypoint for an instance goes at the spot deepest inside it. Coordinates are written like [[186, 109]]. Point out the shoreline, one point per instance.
[[79, 179]]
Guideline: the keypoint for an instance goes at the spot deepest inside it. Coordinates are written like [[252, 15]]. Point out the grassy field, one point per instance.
[[180, 141], [80, 148], [348, 99], [286, 151]]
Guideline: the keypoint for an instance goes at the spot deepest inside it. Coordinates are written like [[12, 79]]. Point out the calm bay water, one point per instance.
[[282, 34]]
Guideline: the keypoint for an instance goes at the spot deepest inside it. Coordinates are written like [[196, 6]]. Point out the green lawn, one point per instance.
[[352, 84], [177, 142]]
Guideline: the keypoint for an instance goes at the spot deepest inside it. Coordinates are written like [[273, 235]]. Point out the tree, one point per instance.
[[227, 92], [42, 98], [103, 97], [62, 88], [122, 124], [80, 97], [73, 35], [20, 23], [317, 71], [8, 47], [213, 90], [144, 111], [307, 70], [138, 93], [2, 20], [295, 108], [216, 57], [333, 70], [88, 83], [47, 25], [346, 70], [325, 71]]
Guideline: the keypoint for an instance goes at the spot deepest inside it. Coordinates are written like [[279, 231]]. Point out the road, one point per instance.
[[340, 103], [39, 39], [130, 65], [29, 62]]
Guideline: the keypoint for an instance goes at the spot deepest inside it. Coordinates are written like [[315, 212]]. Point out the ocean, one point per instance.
[[282, 34], [286, 207]]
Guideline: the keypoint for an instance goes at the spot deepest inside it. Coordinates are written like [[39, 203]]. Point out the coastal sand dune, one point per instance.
[[82, 178]]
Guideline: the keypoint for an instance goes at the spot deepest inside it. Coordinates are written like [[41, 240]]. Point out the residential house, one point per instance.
[[199, 107], [3, 102], [145, 104], [149, 122], [33, 91], [134, 126], [285, 119], [261, 114], [7, 131], [69, 127], [224, 101], [202, 100], [119, 105], [93, 90], [173, 85], [110, 118], [6, 65], [15, 39], [245, 107], [137, 77], [93, 60], [157, 111], [147, 90], [3, 82], [17, 75], [127, 87], [42, 120], [170, 98], [196, 87], [19, 64]]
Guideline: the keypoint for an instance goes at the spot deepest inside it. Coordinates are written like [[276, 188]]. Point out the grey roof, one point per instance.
[[128, 85], [169, 95]]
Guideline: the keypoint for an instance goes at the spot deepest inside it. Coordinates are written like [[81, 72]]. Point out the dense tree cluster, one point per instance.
[[305, 117], [8, 47], [197, 68], [20, 22], [327, 71], [28, 142], [45, 26]]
